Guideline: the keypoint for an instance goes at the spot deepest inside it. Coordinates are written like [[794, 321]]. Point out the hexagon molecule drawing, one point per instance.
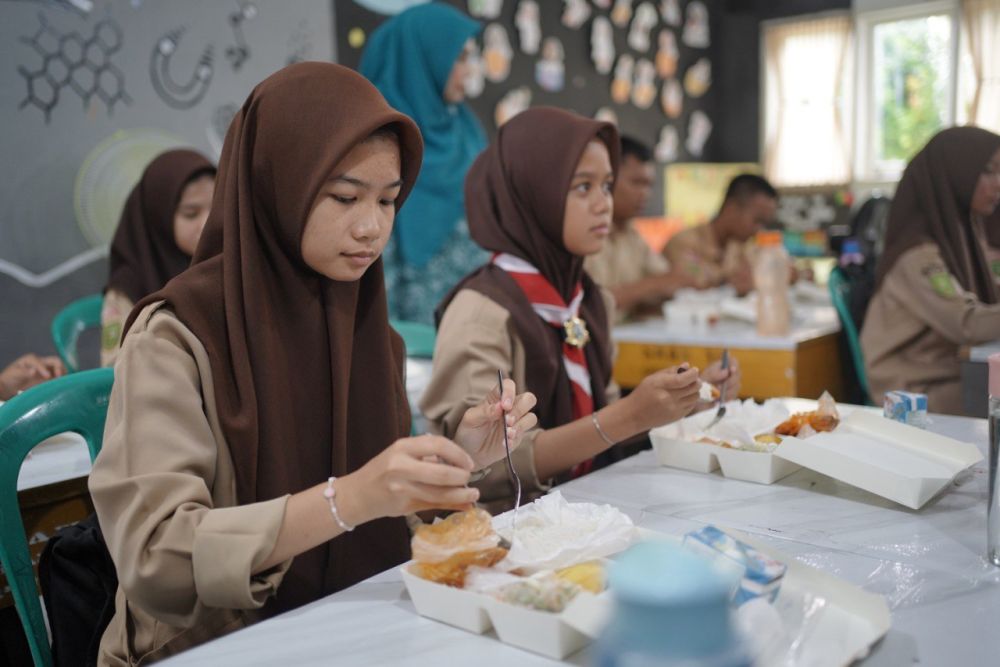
[[80, 63]]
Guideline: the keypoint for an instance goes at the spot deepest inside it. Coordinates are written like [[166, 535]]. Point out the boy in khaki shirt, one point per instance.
[[639, 279]]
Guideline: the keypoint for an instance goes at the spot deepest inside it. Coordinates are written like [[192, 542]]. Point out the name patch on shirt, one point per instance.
[[942, 283]]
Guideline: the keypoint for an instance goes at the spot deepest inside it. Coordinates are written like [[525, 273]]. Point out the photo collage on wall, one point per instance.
[[644, 65]]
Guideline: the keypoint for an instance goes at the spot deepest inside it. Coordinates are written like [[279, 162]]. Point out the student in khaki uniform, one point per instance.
[[639, 279], [935, 291], [716, 253], [156, 236], [267, 368], [539, 198]]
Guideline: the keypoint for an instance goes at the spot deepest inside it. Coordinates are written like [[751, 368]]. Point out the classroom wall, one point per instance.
[[88, 97]]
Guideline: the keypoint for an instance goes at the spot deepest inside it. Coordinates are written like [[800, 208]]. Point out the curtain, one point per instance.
[[808, 93], [982, 26]]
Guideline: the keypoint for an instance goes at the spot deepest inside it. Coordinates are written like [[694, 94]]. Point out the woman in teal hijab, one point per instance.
[[417, 61]]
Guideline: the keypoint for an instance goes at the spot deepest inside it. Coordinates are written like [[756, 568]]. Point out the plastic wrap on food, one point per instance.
[[443, 551], [553, 533]]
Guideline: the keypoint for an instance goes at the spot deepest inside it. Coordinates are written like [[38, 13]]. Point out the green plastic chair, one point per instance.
[[77, 403], [419, 338], [70, 322], [840, 292]]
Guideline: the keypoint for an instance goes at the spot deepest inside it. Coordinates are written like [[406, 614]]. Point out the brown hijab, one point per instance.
[[933, 205], [308, 374], [144, 255], [515, 199]]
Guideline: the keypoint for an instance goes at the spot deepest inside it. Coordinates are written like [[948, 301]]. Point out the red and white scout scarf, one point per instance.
[[549, 305]]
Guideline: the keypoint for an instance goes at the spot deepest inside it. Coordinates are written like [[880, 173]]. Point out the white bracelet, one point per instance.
[[600, 431], [330, 493]]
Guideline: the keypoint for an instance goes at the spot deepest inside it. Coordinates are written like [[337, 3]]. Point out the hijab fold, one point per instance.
[[308, 374], [933, 203], [515, 196], [409, 59], [144, 254]]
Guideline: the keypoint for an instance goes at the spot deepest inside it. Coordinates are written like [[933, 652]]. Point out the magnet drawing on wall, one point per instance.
[[496, 52], [696, 31], [239, 52], [602, 44], [529, 31], [550, 70], [179, 95], [643, 21]]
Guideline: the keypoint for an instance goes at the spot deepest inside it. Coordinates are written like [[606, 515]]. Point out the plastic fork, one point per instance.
[[721, 412]]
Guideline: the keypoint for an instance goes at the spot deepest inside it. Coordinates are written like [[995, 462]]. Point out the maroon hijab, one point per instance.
[[308, 374], [144, 255], [515, 198], [933, 205]]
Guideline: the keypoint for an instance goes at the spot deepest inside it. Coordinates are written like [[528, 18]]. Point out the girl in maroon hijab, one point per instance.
[[539, 198], [156, 236], [255, 456]]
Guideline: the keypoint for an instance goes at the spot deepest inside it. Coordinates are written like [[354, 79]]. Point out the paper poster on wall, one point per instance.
[[550, 70], [698, 78], [672, 98], [666, 147], [621, 83], [694, 191], [496, 52], [529, 29], [642, 23], [602, 44], [666, 54], [644, 88], [699, 128], [475, 75], [512, 103], [622, 13], [670, 10], [485, 9], [607, 114], [575, 14], [696, 33]]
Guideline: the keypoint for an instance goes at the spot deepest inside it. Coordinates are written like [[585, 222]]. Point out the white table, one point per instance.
[[929, 565]]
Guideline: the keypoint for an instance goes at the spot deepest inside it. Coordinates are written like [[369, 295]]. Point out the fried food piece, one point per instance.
[[818, 421], [444, 551]]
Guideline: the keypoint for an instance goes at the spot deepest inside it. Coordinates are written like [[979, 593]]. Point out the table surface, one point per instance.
[[813, 322], [928, 565]]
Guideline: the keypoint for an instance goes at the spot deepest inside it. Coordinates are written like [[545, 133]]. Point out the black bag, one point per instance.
[[79, 583]]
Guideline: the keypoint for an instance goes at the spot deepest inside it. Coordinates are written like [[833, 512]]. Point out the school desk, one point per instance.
[[928, 565], [804, 363]]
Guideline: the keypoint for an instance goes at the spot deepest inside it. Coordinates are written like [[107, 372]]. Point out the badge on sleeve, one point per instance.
[[995, 267], [942, 283]]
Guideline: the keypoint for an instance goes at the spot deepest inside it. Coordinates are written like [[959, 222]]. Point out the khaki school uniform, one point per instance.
[[476, 337], [916, 323], [695, 251], [114, 311], [165, 492], [626, 258]]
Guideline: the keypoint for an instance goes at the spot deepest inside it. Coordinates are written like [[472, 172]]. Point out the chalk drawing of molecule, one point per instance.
[[81, 64]]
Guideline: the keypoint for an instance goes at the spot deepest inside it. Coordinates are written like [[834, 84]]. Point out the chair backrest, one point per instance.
[[840, 294], [70, 322], [77, 403], [419, 338]]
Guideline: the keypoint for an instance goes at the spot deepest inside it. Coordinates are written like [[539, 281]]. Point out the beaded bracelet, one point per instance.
[[330, 493]]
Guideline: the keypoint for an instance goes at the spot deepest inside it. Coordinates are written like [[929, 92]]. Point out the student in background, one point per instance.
[[935, 291], [540, 198], [639, 279], [417, 60], [27, 371], [156, 236], [256, 456], [715, 253]]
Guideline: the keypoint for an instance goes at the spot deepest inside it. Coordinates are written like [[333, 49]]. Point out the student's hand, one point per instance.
[[714, 375], [664, 397], [28, 371], [480, 433], [742, 280], [674, 280], [414, 474]]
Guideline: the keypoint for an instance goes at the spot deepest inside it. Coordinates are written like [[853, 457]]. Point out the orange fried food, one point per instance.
[[443, 551], [818, 421]]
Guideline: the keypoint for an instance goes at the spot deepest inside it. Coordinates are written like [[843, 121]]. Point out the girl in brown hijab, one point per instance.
[[539, 198], [156, 236], [259, 409], [936, 291]]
